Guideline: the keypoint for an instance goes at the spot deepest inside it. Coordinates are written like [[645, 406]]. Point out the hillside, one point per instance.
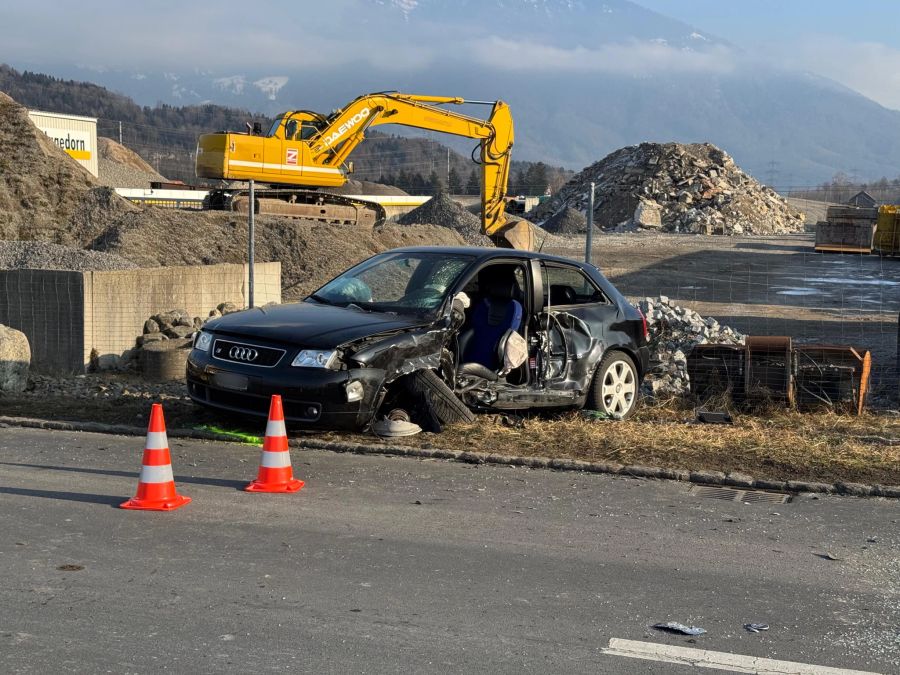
[[165, 137]]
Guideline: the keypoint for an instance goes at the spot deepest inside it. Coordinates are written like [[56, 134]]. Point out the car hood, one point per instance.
[[309, 325]]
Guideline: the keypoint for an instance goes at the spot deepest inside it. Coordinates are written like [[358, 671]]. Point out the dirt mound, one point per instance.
[[40, 185], [566, 221], [310, 253], [42, 255], [443, 211], [121, 167], [365, 187], [675, 188]]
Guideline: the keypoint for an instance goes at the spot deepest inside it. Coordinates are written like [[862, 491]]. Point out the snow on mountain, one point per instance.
[[270, 86], [235, 84]]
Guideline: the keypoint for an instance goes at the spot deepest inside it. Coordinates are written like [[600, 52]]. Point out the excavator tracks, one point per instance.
[[323, 207]]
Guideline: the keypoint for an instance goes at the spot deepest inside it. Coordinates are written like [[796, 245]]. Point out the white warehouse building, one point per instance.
[[74, 134]]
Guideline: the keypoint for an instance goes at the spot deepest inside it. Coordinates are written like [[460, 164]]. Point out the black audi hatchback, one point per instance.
[[502, 329]]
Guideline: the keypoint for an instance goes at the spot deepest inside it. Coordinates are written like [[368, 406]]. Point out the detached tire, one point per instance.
[[615, 389], [445, 406]]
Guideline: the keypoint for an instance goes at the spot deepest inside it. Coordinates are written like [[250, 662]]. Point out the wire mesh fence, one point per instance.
[[762, 287]]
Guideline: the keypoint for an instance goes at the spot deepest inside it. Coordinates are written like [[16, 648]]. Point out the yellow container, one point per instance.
[[887, 234]]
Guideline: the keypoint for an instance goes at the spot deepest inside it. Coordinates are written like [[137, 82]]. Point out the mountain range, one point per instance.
[[583, 78]]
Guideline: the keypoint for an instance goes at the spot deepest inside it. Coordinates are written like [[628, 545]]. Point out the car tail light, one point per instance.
[[644, 326]]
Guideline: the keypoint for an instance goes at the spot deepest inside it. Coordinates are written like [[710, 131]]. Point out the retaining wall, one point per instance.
[[67, 314]]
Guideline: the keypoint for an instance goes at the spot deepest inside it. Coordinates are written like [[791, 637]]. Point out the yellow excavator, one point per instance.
[[305, 150]]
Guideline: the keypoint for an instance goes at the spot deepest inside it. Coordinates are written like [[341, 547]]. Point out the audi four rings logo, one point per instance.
[[243, 354]]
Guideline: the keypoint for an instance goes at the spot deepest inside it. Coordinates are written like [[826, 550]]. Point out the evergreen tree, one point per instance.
[[473, 186], [454, 182], [435, 184]]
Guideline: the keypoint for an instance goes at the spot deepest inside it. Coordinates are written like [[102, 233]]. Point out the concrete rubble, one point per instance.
[[673, 187], [674, 331]]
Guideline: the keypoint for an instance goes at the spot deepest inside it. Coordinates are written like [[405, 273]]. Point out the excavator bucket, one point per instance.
[[517, 234]]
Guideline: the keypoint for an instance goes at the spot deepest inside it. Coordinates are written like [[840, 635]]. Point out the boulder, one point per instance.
[[15, 359]]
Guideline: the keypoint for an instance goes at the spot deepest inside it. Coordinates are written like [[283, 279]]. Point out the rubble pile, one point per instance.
[[566, 221], [175, 327], [674, 331], [673, 187], [443, 211]]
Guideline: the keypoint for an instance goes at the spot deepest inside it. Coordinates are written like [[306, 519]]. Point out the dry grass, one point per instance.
[[822, 446], [775, 443]]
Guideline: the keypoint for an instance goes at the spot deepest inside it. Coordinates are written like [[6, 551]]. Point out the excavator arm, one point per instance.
[[346, 130]]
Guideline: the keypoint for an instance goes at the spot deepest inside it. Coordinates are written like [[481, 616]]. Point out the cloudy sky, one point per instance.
[[856, 43]]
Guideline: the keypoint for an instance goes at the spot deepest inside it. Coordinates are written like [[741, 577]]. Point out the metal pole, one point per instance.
[[589, 242], [897, 362], [251, 235], [120, 132]]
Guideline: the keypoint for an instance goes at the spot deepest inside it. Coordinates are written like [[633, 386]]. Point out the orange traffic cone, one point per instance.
[[275, 473], [156, 486]]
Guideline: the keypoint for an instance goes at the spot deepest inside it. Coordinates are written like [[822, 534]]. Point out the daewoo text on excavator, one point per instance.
[[305, 149]]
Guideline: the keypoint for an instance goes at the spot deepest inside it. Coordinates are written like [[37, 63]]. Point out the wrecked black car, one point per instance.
[[427, 335]]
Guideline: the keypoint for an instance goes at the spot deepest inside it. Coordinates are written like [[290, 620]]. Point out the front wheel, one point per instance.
[[615, 388]]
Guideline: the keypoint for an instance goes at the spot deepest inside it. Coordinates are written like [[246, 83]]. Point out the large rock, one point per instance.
[[15, 359]]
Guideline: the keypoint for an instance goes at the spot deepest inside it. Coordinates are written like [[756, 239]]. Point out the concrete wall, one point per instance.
[[67, 314]]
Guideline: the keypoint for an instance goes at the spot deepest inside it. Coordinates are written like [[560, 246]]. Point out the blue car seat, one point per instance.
[[493, 317]]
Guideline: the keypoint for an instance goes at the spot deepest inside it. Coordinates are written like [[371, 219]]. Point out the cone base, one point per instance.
[[170, 504], [292, 485]]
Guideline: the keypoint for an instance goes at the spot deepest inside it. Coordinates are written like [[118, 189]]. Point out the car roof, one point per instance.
[[485, 253]]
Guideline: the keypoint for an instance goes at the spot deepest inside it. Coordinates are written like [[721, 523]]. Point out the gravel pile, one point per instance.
[[45, 256], [566, 221], [101, 387], [120, 167], [674, 187], [442, 211], [674, 331]]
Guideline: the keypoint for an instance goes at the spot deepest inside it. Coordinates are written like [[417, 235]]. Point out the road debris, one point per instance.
[[756, 627], [675, 627]]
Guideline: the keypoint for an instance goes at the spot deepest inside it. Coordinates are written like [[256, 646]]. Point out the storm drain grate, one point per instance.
[[728, 494]]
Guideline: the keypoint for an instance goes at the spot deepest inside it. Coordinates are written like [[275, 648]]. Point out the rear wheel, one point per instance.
[[615, 388]]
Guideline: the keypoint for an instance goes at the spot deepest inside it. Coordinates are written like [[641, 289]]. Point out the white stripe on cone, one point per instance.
[[156, 474], [276, 429], [275, 460], [156, 440]]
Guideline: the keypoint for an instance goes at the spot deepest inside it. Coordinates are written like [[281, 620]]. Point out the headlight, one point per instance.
[[315, 358], [355, 391], [203, 341]]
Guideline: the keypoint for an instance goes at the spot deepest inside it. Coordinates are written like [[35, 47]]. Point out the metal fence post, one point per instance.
[[897, 362], [589, 242], [250, 241]]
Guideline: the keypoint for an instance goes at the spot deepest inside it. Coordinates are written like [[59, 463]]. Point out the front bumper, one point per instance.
[[311, 397]]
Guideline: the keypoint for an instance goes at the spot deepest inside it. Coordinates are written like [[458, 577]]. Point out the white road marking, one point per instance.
[[703, 658]]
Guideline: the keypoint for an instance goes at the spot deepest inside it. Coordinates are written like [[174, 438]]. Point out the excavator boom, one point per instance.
[[307, 149]]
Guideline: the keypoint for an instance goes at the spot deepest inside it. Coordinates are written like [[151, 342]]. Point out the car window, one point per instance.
[[402, 283], [569, 286]]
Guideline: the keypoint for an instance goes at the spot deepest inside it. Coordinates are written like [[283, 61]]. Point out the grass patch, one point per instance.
[[772, 443]]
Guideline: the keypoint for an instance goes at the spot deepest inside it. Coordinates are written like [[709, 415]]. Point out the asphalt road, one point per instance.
[[397, 565]]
